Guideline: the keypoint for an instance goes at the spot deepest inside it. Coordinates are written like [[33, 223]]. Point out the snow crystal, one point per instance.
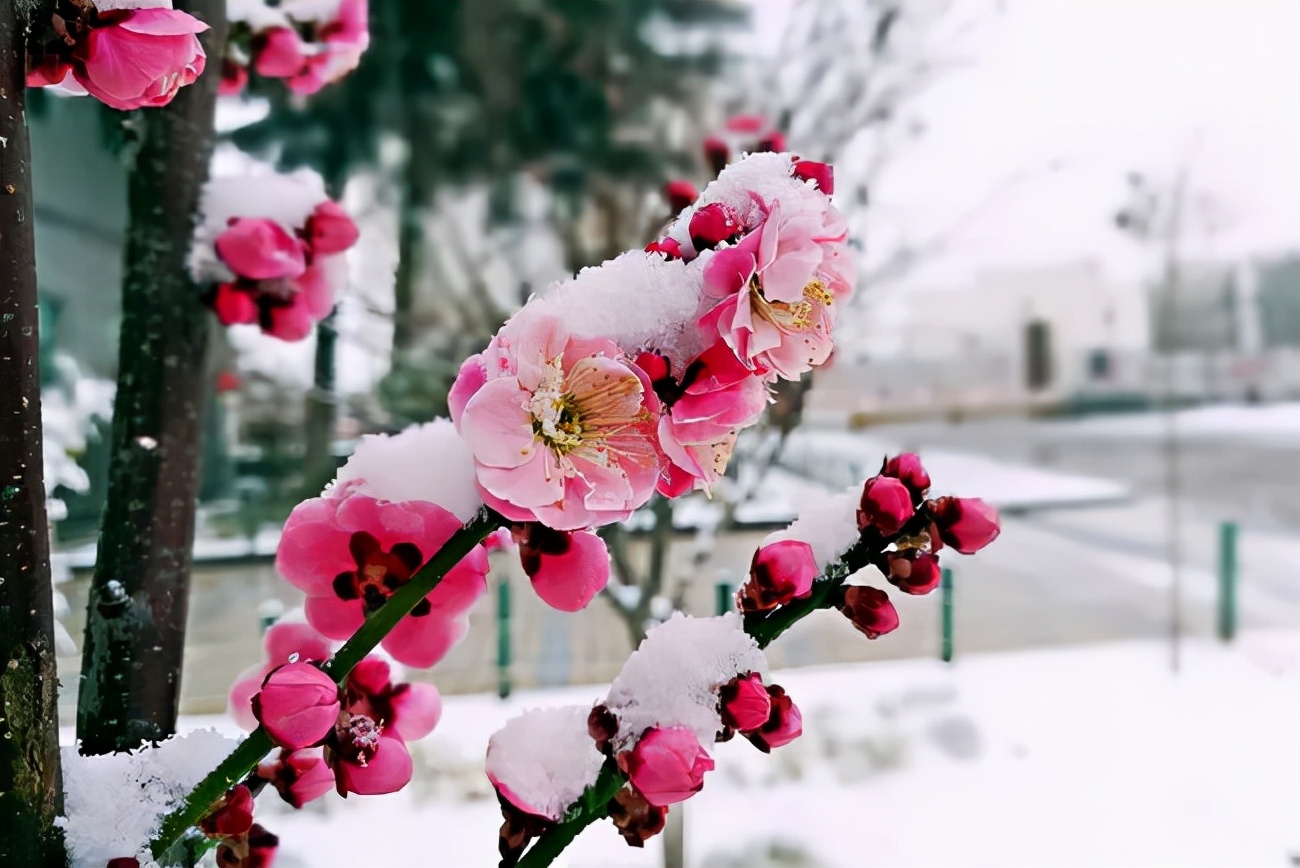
[[639, 299], [428, 462], [112, 803], [830, 526], [255, 191], [673, 678], [546, 758]]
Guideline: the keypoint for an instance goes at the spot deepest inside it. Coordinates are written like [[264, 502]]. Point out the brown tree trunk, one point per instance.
[[139, 595], [29, 714]]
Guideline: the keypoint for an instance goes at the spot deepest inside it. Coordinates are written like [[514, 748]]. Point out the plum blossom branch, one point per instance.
[[378, 625], [592, 806]]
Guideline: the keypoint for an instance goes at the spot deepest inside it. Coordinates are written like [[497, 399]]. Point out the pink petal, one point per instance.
[[498, 426], [424, 640], [337, 619], [387, 772], [416, 710]]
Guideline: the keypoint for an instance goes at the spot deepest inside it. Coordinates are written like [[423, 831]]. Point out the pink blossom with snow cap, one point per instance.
[[704, 410], [298, 705], [562, 428], [137, 58], [567, 568], [667, 765], [349, 552], [773, 296]]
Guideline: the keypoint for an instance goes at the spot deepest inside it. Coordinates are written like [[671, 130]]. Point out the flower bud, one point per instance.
[[298, 705], [712, 225], [231, 816], [716, 153], [602, 726], [821, 174], [870, 610], [886, 505], [780, 572], [671, 248], [260, 249], [914, 572], [330, 229], [967, 524], [667, 765], [637, 820], [299, 776], [907, 469], [772, 141], [784, 722], [746, 704], [680, 195]]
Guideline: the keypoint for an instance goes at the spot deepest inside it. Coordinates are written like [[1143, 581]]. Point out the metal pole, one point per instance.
[[945, 590], [724, 593], [503, 637], [1227, 580]]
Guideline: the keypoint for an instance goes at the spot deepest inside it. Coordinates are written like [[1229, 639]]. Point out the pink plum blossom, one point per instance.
[[278, 53], [667, 765], [260, 249], [299, 776], [298, 705], [349, 552], [703, 412], [870, 610], [330, 230], [745, 703], [774, 294], [885, 506], [136, 58], [284, 642], [561, 427], [967, 524], [567, 569], [784, 723], [780, 572]]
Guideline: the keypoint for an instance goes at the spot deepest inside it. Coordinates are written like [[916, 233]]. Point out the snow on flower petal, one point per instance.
[[543, 759]]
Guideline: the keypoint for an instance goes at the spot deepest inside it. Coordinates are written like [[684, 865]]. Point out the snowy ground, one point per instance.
[[1092, 756]]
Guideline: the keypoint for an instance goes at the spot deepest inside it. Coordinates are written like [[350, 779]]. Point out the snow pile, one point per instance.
[[256, 192], [428, 462], [830, 526], [259, 15], [674, 677], [112, 803], [545, 758]]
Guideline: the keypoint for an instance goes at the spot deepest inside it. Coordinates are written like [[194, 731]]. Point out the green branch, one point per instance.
[[250, 752]]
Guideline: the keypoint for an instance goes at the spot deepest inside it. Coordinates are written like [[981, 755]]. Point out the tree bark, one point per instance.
[[318, 458], [139, 594], [29, 717]]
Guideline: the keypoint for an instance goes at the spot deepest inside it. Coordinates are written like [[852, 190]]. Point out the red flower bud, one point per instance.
[[780, 572], [667, 765], [671, 248], [784, 723], [914, 572], [746, 705], [886, 505], [231, 816], [822, 174], [907, 469], [773, 141], [870, 610], [680, 195], [711, 225], [967, 524], [298, 705], [330, 229], [716, 153]]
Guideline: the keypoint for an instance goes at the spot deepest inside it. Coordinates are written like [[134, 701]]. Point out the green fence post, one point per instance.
[[503, 637], [945, 589], [725, 602], [1227, 580]]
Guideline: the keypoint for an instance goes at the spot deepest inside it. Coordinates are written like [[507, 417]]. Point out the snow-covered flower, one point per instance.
[[775, 292], [349, 552], [306, 49], [667, 765], [541, 761], [127, 58], [562, 428]]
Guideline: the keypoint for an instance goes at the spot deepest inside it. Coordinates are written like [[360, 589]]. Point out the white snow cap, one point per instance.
[[830, 526], [428, 462], [112, 803], [257, 192], [674, 677], [545, 758]]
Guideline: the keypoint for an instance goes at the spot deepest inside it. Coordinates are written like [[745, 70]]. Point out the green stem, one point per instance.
[[250, 752], [593, 806]]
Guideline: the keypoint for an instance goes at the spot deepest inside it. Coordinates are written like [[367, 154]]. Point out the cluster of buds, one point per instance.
[[898, 529], [242, 843], [305, 43], [128, 54]]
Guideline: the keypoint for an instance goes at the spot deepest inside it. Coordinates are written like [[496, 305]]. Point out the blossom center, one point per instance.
[[378, 572], [789, 316], [356, 737], [587, 406]]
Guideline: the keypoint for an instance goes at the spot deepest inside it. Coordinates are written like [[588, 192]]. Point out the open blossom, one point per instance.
[[561, 428], [349, 552], [774, 293], [135, 58], [967, 524], [298, 705], [780, 572], [667, 765], [703, 412], [567, 569]]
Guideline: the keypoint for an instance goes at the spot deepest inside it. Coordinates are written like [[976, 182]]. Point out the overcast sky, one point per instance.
[[1069, 95]]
